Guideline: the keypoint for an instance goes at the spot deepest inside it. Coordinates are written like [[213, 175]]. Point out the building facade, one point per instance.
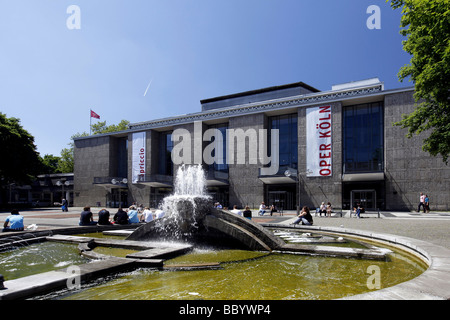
[[288, 145]]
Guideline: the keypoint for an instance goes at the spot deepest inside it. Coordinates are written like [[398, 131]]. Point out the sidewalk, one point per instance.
[[432, 227]]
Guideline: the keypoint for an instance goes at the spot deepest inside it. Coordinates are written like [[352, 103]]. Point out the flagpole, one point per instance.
[[90, 121]]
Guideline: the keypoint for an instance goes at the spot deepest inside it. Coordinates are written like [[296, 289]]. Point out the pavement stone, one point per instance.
[[431, 227]]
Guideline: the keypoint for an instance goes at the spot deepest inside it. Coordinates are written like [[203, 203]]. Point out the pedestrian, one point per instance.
[[427, 203], [65, 205], [120, 217], [247, 213], [421, 202], [262, 209], [358, 210], [86, 217], [304, 217], [15, 220], [103, 217]]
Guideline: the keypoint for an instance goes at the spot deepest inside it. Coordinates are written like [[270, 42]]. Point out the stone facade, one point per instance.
[[407, 169], [92, 158]]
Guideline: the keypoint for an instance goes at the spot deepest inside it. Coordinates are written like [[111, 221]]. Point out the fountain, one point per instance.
[[190, 217], [191, 224]]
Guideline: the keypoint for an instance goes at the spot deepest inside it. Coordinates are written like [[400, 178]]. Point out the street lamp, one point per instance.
[[62, 183], [291, 172]]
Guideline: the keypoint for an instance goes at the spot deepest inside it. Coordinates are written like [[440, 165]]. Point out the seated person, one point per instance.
[[304, 217], [236, 211], [103, 217], [262, 209], [120, 217], [247, 213], [273, 209], [133, 215], [86, 217], [15, 220], [147, 215], [159, 214]]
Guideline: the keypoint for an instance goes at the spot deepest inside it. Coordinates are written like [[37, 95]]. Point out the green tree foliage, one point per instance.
[[50, 164], [65, 163], [427, 28], [19, 160], [101, 127]]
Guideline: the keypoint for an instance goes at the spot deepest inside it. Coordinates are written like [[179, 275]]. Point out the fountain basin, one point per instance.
[[432, 284]]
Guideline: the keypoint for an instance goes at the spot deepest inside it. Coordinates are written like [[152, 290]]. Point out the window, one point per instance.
[[288, 139], [363, 141], [165, 152], [220, 144], [122, 157]]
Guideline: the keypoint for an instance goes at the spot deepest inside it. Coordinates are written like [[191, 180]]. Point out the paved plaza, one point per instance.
[[432, 227], [428, 232]]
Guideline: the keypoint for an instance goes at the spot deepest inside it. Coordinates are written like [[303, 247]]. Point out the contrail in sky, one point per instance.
[[148, 87]]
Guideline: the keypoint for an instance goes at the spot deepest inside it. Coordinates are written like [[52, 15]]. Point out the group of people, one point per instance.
[[134, 214], [263, 208], [247, 213], [424, 202], [325, 209]]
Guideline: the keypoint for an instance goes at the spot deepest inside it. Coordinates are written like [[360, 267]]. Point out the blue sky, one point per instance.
[[51, 76]]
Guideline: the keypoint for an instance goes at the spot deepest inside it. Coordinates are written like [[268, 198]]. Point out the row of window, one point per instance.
[[363, 142]]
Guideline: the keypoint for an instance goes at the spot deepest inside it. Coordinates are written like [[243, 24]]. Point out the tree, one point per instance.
[[65, 163], [427, 28], [50, 164], [19, 160], [101, 127]]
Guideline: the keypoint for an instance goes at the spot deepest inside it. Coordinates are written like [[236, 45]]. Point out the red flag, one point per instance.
[[94, 115]]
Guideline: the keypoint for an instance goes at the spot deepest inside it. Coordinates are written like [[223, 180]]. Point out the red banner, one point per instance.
[[94, 115]]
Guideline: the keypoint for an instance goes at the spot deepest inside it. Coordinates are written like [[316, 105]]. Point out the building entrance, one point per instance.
[[370, 194], [366, 198], [283, 197], [118, 197]]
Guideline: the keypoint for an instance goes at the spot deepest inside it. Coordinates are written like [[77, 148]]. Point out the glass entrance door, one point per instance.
[[283, 197], [118, 197], [366, 198]]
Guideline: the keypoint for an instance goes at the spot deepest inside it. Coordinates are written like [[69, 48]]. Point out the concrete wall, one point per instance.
[[409, 170], [91, 159], [245, 186]]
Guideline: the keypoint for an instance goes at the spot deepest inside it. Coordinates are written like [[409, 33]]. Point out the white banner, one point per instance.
[[138, 156], [319, 151]]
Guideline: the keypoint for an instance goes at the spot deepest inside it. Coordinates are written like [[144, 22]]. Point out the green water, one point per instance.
[[243, 274], [255, 276], [37, 258]]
